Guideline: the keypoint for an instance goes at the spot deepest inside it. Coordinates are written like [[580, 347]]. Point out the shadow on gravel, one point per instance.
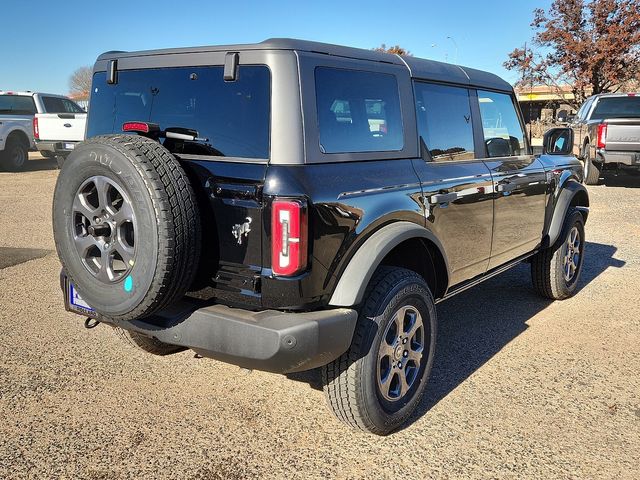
[[476, 324], [35, 165], [624, 180], [10, 256]]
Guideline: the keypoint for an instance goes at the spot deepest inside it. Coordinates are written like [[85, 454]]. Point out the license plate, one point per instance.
[[75, 303], [69, 146]]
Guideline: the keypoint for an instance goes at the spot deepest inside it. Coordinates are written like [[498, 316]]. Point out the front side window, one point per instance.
[[358, 111], [17, 105], [232, 119], [503, 133], [444, 121]]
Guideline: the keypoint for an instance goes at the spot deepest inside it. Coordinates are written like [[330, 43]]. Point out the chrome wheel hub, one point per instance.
[[572, 252], [400, 353], [104, 228]]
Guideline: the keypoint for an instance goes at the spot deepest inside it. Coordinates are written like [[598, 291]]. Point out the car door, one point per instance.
[[519, 179], [456, 184]]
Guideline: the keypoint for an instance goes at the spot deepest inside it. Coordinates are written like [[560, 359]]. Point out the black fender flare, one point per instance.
[[564, 200], [353, 282]]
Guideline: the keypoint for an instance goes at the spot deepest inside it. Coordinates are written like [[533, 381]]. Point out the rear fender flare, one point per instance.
[[354, 280]]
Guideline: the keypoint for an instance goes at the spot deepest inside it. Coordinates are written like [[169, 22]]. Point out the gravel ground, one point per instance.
[[520, 388]]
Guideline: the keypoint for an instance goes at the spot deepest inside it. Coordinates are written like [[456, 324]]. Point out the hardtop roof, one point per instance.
[[418, 67]]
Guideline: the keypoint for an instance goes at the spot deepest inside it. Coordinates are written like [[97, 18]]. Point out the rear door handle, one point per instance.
[[443, 198]]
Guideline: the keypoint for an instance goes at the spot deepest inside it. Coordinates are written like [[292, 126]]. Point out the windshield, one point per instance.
[[60, 105], [231, 118], [617, 107]]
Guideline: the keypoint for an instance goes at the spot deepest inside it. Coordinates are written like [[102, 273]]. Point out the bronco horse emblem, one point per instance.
[[239, 230]]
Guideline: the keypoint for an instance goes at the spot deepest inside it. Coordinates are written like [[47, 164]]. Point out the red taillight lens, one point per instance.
[[135, 127], [288, 237], [602, 135], [36, 130]]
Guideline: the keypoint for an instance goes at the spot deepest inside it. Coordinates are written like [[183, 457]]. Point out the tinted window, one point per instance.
[[617, 107], [444, 121], [358, 111], [60, 105], [231, 118], [17, 105], [503, 134]]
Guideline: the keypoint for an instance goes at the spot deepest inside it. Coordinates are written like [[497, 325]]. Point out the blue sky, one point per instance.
[[43, 41]]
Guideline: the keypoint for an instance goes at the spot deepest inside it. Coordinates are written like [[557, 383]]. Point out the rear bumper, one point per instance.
[[624, 158], [269, 340], [59, 148]]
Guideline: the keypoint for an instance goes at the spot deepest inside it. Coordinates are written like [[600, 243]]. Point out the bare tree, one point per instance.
[[396, 49], [80, 82], [591, 45]]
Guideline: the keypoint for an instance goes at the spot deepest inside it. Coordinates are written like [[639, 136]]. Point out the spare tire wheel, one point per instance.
[[126, 225]]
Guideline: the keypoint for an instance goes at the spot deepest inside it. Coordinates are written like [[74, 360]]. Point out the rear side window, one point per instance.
[[503, 134], [444, 121], [358, 111], [17, 105], [616, 107], [232, 118], [60, 105]]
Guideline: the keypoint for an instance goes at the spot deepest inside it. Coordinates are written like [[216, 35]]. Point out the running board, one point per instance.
[[486, 276]]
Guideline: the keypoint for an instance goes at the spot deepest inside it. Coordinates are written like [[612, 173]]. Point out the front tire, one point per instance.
[[378, 382], [555, 271]]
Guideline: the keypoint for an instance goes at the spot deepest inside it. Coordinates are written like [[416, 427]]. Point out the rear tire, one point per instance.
[[591, 169], [15, 154], [376, 385], [148, 344], [555, 271]]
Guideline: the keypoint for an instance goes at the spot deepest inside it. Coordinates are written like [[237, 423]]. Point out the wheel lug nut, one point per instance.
[[404, 340], [405, 353], [399, 364]]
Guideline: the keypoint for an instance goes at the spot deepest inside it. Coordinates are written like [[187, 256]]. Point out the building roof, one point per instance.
[[419, 68]]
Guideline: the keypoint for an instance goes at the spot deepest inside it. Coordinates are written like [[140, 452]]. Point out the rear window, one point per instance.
[[358, 111], [17, 105], [617, 107], [232, 118], [60, 105]]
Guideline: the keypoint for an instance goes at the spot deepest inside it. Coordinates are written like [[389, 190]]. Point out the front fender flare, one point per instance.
[[354, 280], [568, 192]]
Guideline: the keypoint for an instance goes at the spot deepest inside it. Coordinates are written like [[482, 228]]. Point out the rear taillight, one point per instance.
[[288, 237], [36, 130], [602, 135]]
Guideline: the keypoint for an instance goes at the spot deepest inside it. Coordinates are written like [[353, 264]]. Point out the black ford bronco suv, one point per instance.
[[290, 205]]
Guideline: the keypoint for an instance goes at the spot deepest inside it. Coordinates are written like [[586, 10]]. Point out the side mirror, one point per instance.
[[571, 118], [558, 141]]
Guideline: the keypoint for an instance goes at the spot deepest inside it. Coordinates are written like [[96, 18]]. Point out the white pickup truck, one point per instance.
[[25, 115]]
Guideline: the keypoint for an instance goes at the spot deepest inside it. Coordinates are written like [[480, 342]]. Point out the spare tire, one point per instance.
[[126, 225]]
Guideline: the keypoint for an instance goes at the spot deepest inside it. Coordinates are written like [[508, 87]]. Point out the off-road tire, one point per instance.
[[547, 266], [165, 207], [350, 382], [15, 155], [148, 344], [592, 169]]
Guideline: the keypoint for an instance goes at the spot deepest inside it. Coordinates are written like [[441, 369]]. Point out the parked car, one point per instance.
[[290, 205], [28, 120], [16, 138], [607, 134], [60, 128]]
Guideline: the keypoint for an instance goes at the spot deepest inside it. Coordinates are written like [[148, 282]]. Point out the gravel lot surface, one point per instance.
[[520, 388]]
